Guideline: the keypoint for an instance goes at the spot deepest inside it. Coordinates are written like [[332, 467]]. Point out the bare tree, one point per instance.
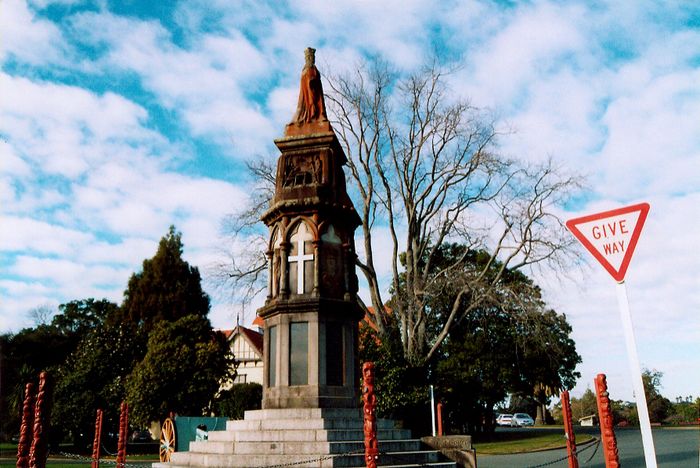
[[424, 167], [42, 315], [242, 272]]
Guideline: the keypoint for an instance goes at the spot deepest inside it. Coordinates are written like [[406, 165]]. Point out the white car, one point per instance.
[[521, 419], [504, 419]]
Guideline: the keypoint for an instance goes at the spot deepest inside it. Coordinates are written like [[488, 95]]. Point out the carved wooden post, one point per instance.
[[121, 443], [569, 429], [370, 418], [27, 427], [97, 440], [42, 416], [439, 419], [607, 432]]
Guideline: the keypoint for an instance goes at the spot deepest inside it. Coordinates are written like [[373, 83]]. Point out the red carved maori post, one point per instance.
[[27, 427], [569, 429], [607, 433], [121, 443], [42, 415], [370, 418], [96, 442]]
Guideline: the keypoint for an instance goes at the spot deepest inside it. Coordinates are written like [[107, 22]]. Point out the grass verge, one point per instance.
[[504, 443]]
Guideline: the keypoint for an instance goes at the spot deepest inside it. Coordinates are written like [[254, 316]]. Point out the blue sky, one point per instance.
[[118, 119]]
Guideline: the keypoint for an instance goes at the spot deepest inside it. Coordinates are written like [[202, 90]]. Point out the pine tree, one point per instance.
[[167, 288]]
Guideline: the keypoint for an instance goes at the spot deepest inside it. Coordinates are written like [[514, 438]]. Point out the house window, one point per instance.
[[298, 353], [240, 378]]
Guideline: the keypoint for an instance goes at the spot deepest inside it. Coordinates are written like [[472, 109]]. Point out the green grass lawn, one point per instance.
[[8, 457], [8, 449], [525, 440]]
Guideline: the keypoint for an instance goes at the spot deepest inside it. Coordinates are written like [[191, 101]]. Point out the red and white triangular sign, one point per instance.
[[611, 236]]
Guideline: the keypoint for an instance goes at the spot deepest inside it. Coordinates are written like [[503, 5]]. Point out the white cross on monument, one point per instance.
[[300, 258]]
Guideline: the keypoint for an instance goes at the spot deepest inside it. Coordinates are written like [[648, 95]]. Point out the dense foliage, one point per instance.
[[180, 372], [661, 410], [511, 344], [45, 347], [93, 377], [157, 350], [234, 402], [401, 388]]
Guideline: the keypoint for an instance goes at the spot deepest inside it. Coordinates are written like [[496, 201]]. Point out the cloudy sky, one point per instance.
[[118, 119]]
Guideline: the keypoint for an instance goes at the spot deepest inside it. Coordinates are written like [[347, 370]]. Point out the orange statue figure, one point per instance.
[[310, 116]]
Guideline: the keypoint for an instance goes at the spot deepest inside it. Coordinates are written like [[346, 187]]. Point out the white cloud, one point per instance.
[[652, 145], [90, 196], [10, 163], [547, 39], [53, 126], [27, 38], [206, 83], [27, 234]]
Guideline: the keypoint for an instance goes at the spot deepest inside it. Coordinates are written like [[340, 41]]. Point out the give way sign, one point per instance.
[[611, 236]]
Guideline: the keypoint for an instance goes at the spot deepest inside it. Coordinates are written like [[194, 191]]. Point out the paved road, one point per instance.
[[675, 448]]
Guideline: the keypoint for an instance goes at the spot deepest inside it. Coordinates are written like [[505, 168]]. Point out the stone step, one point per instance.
[[444, 464], [262, 435], [304, 423], [288, 447], [304, 437], [395, 459], [304, 413]]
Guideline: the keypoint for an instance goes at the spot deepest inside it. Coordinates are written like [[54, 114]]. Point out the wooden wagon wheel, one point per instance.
[[167, 440]]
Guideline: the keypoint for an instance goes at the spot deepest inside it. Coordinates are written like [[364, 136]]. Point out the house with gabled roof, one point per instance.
[[246, 344]]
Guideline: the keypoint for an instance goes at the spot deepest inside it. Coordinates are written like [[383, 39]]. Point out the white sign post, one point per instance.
[[611, 237]]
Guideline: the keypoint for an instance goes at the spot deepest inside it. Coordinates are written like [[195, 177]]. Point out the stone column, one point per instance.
[[284, 269]]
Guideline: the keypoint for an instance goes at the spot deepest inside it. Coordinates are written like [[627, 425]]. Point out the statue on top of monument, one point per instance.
[[311, 108]]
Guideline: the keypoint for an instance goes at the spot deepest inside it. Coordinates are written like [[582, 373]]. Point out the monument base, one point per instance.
[[309, 396], [303, 437]]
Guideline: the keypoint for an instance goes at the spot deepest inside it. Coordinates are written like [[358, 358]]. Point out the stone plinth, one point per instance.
[[303, 437]]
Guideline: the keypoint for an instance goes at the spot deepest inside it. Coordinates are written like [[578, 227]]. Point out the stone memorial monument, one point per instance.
[[311, 313], [310, 415]]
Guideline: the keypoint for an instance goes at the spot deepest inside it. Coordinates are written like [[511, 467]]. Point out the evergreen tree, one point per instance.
[[167, 288], [93, 377], [509, 343], [180, 372], [659, 406]]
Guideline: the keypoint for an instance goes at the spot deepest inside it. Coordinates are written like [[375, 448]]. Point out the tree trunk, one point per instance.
[[541, 413]]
